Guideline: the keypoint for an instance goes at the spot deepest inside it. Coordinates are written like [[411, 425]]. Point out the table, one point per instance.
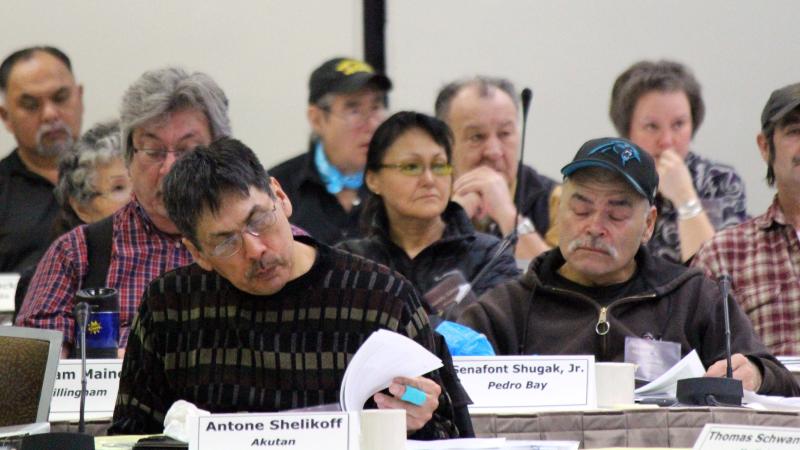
[[658, 427]]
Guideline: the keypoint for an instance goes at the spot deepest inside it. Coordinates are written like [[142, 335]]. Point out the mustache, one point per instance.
[[592, 243], [265, 262], [50, 127]]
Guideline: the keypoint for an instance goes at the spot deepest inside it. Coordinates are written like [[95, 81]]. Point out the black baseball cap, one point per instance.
[[622, 156], [343, 75], [780, 103]]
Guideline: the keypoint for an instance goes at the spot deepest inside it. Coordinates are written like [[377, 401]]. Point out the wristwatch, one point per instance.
[[525, 226]]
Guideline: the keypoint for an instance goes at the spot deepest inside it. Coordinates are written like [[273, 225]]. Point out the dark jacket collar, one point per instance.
[[660, 275], [457, 225]]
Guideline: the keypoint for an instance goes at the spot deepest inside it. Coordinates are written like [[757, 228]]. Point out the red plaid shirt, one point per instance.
[[139, 254], [762, 256]]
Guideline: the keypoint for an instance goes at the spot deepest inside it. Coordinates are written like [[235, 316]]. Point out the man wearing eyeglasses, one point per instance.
[[264, 321], [165, 114], [346, 103], [42, 106]]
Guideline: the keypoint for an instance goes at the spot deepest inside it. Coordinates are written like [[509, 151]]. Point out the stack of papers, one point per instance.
[[491, 444], [667, 384], [791, 362], [382, 357]]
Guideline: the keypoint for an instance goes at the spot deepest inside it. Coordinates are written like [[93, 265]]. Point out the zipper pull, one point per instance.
[[602, 326]]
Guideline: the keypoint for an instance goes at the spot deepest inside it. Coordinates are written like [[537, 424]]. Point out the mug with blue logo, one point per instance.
[[102, 327]]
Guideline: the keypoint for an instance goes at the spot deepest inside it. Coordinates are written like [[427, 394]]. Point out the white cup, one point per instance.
[[383, 429], [615, 383]]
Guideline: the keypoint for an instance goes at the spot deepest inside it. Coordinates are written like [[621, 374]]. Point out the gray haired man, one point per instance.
[[165, 114], [483, 113]]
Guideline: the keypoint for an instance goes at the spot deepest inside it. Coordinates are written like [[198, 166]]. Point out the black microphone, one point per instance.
[[725, 288], [715, 391], [526, 97], [81, 312], [69, 440]]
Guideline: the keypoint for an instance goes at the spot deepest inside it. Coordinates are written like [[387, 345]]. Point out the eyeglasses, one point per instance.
[[355, 116], [260, 223], [118, 193], [158, 156], [417, 169]]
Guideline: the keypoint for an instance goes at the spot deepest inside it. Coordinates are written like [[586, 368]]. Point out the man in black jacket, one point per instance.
[[601, 285], [346, 103]]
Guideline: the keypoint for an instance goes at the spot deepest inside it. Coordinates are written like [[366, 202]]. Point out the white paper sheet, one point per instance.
[[382, 357], [667, 384]]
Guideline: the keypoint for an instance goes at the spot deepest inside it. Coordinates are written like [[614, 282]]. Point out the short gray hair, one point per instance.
[[77, 168], [483, 83], [159, 92]]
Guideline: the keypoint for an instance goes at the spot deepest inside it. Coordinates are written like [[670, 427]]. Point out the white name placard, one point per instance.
[[743, 437], [102, 384], [298, 431], [527, 383], [8, 287]]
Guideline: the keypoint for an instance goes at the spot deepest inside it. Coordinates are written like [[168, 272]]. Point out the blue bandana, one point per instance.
[[334, 180]]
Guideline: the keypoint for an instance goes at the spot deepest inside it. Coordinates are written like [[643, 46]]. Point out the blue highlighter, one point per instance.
[[413, 396]]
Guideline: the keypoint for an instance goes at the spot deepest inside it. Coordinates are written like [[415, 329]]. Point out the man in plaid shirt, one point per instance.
[[762, 255], [165, 114]]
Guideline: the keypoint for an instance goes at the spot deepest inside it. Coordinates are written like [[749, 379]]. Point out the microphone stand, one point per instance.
[[714, 391], [69, 440], [82, 319]]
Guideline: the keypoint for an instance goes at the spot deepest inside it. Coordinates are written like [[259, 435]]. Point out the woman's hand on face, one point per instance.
[[674, 180]]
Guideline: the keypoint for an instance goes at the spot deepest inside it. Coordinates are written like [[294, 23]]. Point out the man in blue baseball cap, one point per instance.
[[601, 290]]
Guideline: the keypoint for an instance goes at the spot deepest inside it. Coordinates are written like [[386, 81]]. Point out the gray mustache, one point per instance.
[[593, 243]]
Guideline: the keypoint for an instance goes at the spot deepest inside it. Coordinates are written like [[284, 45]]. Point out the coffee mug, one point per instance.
[[383, 429], [615, 383]]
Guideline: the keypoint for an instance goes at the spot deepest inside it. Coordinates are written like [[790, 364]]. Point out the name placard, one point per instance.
[[102, 384], [299, 431], [8, 287], [743, 437], [527, 383]]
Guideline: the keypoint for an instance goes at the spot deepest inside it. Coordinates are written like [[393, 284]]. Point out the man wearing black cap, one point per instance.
[[601, 285], [346, 103], [761, 255]]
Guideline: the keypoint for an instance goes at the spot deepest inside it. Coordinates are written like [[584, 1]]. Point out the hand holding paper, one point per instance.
[[404, 396]]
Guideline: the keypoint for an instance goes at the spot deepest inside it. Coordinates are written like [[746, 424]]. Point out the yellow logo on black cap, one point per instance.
[[351, 66]]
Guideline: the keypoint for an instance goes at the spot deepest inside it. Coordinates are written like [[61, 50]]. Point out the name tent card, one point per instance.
[[8, 287], [102, 384], [298, 431], [743, 437], [527, 383]]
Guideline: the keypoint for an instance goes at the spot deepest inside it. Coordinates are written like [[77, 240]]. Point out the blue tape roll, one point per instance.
[[413, 395]]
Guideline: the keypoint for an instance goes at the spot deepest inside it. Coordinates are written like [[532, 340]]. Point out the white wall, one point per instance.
[[261, 53], [568, 51]]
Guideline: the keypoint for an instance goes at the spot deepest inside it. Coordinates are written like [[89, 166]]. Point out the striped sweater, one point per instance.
[[198, 338]]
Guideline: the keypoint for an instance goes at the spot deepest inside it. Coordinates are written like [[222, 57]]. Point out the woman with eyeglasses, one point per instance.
[[93, 181], [409, 222]]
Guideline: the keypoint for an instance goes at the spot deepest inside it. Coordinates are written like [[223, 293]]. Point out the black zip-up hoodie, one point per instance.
[[676, 304]]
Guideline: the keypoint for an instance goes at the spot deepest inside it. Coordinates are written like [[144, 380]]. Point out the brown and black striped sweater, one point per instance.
[[198, 338]]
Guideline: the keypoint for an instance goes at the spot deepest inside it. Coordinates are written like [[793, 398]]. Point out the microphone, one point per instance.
[[69, 440], [81, 312], [725, 288], [708, 391], [526, 97]]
